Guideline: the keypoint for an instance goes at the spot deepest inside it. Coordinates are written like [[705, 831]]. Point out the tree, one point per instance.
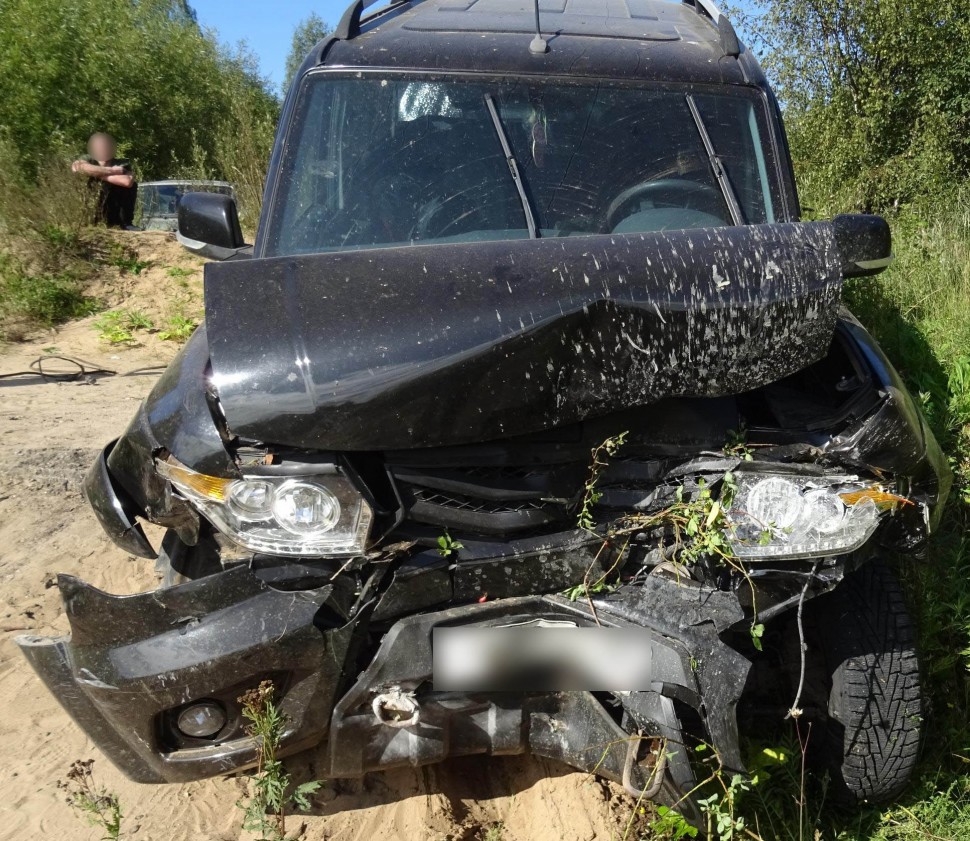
[[152, 78], [308, 33], [181, 10], [876, 95]]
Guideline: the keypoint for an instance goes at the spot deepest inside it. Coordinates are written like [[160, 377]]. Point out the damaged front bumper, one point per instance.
[[133, 664], [332, 646]]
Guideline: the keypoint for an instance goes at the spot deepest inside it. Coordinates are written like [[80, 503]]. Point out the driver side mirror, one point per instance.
[[208, 225], [865, 244]]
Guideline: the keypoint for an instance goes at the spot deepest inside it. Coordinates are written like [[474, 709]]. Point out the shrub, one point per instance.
[[28, 300]]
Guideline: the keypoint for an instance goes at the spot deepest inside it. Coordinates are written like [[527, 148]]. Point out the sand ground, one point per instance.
[[50, 434]]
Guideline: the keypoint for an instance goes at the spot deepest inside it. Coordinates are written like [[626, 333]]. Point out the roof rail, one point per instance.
[[707, 7], [349, 26], [730, 44]]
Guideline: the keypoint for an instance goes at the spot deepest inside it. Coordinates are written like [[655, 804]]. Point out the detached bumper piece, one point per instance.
[[393, 716], [154, 679], [133, 664], [114, 509]]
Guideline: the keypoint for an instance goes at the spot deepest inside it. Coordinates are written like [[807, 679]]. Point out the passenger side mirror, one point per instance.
[[865, 244], [208, 225]]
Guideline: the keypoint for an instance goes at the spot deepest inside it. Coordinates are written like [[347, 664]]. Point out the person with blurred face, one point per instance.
[[113, 179]]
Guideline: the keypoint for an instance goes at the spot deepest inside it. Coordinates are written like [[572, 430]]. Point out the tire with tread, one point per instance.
[[871, 740]]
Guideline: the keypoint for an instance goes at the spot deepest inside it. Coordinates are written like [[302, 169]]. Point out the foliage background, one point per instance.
[[144, 72], [178, 102], [876, 95], [308, 33]]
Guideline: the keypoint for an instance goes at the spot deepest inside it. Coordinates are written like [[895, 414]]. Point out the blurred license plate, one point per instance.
[[540, 656]]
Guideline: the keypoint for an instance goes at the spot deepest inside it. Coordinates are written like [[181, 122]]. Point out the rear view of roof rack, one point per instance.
[[349, 26], [729, 38]]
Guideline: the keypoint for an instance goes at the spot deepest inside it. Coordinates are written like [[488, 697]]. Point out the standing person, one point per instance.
[[116, 183]]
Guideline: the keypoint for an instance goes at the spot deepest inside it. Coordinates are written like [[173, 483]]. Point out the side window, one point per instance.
[[736, 128]]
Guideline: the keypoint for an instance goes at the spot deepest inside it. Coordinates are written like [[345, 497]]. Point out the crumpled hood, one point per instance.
[[433, 345]]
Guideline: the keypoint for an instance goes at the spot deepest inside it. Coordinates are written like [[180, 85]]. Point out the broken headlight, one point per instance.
[[793, 517], [314, 515]]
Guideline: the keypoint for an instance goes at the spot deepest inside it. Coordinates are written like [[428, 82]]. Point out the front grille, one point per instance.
[[477, 506], [501, 472], [490, 499], [509, 499]]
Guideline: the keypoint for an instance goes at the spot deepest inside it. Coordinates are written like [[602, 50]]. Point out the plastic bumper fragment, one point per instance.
[[132, 662], [114, 510]]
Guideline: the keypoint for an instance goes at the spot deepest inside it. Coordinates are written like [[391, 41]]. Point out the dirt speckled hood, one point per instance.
[[433, 345]]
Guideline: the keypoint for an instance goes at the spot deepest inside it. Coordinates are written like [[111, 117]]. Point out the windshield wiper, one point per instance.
[[720, 173], [530, 219]]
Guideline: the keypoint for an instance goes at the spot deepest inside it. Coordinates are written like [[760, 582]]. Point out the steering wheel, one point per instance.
[[687, 190]]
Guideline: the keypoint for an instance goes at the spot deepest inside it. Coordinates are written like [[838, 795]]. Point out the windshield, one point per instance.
[[389, 161], [164, 199]]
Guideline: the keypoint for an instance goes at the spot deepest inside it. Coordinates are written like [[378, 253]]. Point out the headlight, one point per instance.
[[305, 508], [791, 517], [317, 515]]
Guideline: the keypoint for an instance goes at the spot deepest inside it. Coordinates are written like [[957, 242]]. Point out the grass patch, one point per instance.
[[28, 301], [183, 314], [47, 299], [178, 328], [118, 327], [125, 259], [920, 313]]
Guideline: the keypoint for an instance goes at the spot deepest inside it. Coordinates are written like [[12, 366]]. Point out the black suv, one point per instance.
[[532, 421]]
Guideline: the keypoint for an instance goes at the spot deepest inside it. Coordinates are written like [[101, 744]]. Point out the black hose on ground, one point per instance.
[[77, 368]]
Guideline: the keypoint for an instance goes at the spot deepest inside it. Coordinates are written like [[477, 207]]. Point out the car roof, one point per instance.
[[644, 40]]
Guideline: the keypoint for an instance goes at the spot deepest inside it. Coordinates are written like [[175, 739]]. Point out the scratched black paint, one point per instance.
[[447, 344]]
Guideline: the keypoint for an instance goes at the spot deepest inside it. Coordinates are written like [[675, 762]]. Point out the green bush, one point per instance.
[[176, 100], [118, 327], [28, 301], [145, 72], [47, 250], [876, 95]]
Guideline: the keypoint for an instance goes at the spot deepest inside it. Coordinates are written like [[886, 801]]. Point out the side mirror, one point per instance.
[[208, 225], [865, 243]]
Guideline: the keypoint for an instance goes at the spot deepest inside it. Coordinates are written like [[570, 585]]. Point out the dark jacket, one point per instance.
[[115, 205]]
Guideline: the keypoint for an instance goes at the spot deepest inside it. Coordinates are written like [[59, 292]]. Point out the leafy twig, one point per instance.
[[795, 711], [94, 803], [447, 546], [598, 463], [265, 812]]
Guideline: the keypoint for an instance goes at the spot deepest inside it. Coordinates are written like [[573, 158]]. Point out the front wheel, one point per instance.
[[871, 739]]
